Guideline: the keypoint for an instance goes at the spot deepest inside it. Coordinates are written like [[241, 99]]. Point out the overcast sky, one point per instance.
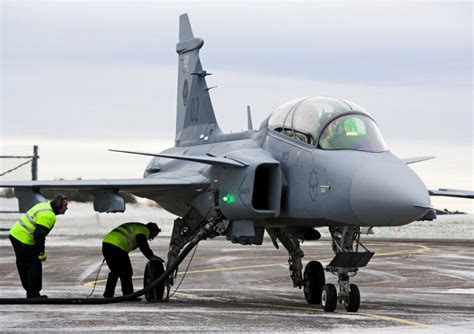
[[105, 71]]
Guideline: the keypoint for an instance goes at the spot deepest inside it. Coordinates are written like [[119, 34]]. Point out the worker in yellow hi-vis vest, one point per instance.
[[28, 236], [115, 248]]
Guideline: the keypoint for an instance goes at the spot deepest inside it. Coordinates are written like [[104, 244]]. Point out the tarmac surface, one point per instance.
[[409, 286]]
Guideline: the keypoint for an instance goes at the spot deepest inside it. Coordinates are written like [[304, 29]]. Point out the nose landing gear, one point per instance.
[[329, 297], [352, 302], [349, 295], [345, 264]]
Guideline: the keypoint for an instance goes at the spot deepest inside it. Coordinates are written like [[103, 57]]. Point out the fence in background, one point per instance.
[[31, 159]]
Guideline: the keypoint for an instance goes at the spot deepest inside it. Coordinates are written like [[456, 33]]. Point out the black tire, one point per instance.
[[153, 270], [329, 298], [353, 302], [313, 280]]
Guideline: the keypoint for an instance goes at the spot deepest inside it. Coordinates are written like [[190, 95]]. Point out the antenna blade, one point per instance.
[[249, 118]]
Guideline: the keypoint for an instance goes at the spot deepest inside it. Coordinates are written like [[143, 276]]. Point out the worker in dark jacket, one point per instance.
[[28, 236], [115, 248]]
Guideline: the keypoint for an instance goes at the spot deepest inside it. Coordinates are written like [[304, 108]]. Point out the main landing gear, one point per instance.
[[185, 230], [313, 280], [344, 265], [292, 245]]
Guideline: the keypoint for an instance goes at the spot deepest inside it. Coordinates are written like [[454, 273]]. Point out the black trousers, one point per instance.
[[29, 267], [120, 266]]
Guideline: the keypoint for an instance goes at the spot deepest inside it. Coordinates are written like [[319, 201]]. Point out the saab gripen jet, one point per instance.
[[314, 162]]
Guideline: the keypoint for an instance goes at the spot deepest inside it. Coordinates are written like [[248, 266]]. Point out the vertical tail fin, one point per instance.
[[195, 120]]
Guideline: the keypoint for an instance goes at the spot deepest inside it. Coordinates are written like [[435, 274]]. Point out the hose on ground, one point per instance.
[[200, 235]]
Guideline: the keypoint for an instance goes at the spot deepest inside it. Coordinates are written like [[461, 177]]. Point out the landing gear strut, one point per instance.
[[345, 264], [292, 245], [185, 230], [313, 279]]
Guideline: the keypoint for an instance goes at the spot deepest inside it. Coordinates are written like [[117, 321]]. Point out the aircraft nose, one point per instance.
[[386, 194]]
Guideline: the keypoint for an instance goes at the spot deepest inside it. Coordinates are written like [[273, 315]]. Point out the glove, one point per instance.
[[156, 258], [42, 257]]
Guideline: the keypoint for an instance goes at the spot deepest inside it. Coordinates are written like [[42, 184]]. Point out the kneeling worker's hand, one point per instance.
[[42, 257], [156, 258]]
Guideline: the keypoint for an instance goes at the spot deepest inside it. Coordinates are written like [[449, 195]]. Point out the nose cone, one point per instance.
[[384, 194]]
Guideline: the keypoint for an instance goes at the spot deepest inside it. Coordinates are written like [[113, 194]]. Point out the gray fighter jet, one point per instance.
[[314, 162]]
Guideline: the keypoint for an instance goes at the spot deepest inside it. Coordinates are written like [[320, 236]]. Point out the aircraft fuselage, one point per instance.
[[319, 187]]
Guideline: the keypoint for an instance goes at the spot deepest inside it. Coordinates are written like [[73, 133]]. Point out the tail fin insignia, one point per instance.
[[195, 121]]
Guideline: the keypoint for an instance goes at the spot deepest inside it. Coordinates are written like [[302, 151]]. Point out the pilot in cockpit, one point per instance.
[[338, 134]]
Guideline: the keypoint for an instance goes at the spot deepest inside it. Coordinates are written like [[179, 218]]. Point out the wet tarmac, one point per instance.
[[409, 286]]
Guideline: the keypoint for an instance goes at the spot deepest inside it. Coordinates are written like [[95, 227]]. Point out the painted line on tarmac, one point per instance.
[[235, 268], [371, 315], [421, 249], [402, 321], [91, 283], [302, 308]]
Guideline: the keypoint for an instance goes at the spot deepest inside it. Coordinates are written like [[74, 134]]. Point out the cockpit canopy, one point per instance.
[[328, 123]]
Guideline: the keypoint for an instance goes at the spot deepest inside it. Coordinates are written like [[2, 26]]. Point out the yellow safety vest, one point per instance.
[[23, 230], [125, 236]]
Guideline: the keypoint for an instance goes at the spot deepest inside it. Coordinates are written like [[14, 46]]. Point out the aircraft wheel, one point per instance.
[[313, 280], [353, 302], [329, 297], [153, 270]]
